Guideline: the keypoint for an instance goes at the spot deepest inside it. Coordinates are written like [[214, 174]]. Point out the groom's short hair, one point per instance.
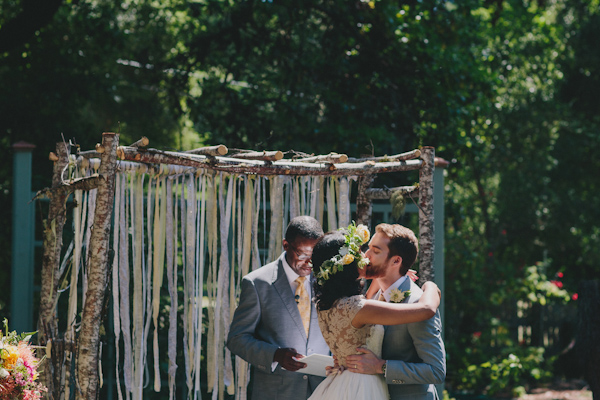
[[304, 227], [403, 243]]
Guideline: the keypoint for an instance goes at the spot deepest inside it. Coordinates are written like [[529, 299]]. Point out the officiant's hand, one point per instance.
[[286, 358], [366, 362]]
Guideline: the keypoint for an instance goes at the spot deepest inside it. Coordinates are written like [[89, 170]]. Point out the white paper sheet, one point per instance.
[[315, 364]]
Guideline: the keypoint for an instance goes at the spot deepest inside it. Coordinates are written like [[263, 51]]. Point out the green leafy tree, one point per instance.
[[505, 90]]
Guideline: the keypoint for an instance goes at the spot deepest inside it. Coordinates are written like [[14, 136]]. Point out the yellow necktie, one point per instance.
[[303, 303], [381, 297]]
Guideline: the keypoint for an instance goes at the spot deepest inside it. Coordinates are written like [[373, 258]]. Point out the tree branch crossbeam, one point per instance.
[[258, 167]]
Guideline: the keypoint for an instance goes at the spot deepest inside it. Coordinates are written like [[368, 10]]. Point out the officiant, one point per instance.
[[275, 324]]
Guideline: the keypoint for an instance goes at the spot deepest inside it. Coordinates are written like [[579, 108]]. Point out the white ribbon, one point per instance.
[[170, 233]]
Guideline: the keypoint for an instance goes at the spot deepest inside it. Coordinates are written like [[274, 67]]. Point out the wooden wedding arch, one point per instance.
[[155, 227]]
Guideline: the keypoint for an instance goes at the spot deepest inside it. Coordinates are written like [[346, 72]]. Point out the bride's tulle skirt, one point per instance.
[[348, 385]]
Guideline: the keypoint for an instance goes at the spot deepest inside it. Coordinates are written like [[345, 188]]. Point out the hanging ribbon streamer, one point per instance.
[[344, 204], [265, 243], [313, 196], [79, 218], [241, 366], [91, 200], [137, 222], [233, 285], [170, 233], [331, 215], [276, 230], [189, 278], [115, 280], [124, 278], [211, 285], [147, 268], [160, 220], [294, 198], [255, 250], [320, 196], [200, 223], [223, 366], [247, 228], [308, 193]]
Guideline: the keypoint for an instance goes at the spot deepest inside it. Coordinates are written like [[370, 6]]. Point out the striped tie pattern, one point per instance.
[[381, 297], [303, 303]]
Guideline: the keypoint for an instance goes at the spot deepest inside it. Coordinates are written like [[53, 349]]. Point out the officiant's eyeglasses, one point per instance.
[[300, 256]]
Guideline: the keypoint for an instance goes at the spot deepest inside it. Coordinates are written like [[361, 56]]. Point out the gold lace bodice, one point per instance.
[[341, 337]]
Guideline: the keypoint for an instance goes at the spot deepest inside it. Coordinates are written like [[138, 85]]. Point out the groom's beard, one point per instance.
[[376, 271]]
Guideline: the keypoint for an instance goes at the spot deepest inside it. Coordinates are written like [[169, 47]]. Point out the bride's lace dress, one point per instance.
[[343, 339]]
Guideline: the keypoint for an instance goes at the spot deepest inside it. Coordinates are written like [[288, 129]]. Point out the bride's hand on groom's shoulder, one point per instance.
[[412, 274]]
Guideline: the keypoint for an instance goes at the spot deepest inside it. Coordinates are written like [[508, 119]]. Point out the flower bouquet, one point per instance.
[[18, 367]]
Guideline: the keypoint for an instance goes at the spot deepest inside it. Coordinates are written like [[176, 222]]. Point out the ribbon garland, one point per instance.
[[202, 228]]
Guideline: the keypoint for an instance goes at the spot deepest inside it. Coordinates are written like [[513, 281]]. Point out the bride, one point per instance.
[[348, 320]]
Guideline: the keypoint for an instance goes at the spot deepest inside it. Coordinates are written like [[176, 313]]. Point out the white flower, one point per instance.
[[397, 295], [363, 262]]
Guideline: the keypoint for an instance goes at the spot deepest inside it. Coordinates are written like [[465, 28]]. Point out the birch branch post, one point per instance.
[[364, 205], [426, 216], [53, 239], [89, 337]]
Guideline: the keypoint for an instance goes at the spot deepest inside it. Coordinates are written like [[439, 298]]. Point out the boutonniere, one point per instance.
[[397, 295]]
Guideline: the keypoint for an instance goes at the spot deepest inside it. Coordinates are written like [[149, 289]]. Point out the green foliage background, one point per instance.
[[505, 90]]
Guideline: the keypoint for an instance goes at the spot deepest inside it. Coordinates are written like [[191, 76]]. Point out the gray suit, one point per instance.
[[415, 353], [266, 319]]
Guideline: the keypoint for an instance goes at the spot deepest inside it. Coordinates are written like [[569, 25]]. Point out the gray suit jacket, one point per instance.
[[266, 319], [415, 353]]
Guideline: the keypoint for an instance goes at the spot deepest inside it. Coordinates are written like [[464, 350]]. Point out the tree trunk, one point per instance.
[[87, 375], [589, 334], [53, 237]]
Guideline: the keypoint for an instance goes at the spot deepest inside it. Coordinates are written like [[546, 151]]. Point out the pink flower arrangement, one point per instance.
[[18, 367]]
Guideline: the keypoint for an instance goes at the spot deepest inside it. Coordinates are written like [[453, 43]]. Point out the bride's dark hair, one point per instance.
[[343, 283]]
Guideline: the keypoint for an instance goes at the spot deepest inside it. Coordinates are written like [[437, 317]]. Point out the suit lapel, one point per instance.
[[282, 286], [404, 286]]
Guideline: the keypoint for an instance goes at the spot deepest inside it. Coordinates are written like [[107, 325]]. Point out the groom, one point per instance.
[[414, 358]]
